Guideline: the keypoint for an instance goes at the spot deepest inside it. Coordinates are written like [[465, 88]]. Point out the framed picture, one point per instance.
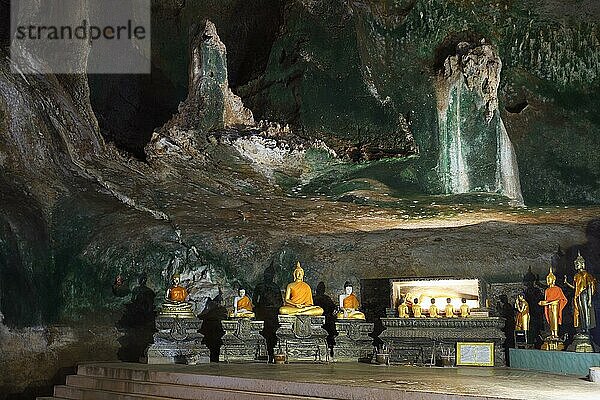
[[475, 353]]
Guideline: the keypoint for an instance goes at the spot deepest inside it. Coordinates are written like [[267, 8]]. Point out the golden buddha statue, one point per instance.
[[175, 305], [298, 297], [554, 302], [417, 309], [585, 285], [349, 304], [464, 308], [433, 310], [449, 310], [242, 306], [403, 309], [522, 318]]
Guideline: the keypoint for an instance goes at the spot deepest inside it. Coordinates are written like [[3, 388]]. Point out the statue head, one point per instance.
[[298, 272], [550, 279], [321, 288], [432, 301], [242, 292], [448, 300], [176, 279], [348, 288], [463, 300], [520, 298], [416, 300], [579, 262]]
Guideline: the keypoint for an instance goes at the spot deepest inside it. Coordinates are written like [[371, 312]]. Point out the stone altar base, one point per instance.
[[242, 341], [302, 338], [416, 340], [353, 341], [178, 341], [582, 343]]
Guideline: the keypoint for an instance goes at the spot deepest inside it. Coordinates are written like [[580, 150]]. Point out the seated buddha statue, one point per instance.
[[242, 306], [449, 310], [349, 304], [403, 308], [298, 297], [433, 310], [175, 304], [417, 310], [464, 308]]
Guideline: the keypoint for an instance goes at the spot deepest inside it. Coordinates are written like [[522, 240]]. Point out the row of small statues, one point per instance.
[[584, 285], [434, 311], [298, 301]]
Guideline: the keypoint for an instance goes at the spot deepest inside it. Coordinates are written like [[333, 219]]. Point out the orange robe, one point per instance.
[[244, 304], [178, 293], [300, 293], [551, 294], [351, 301]]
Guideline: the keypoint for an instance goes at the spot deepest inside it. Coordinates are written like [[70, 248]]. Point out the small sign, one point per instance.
[[478, 354]]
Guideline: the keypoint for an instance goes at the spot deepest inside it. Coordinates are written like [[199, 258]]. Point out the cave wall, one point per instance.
[[362, 74]]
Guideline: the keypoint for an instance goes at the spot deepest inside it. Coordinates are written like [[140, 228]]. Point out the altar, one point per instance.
[[243, 341], [419, 331], [302, 338]]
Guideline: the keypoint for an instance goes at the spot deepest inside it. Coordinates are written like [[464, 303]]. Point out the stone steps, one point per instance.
[[97, 382]]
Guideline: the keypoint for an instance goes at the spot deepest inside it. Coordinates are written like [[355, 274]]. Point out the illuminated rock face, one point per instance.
[[476, 153]]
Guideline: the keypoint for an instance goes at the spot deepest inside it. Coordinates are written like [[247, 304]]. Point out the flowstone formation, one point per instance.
[[476, 153], [227, 202]]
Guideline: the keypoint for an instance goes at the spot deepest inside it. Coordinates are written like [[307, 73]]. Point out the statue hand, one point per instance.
[[566, 279]]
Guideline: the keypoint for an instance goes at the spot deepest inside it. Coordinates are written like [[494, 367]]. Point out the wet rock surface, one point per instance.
[[230, 202]]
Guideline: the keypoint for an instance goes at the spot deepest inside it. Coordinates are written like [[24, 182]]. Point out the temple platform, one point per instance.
[[357, 381], [421, 340]]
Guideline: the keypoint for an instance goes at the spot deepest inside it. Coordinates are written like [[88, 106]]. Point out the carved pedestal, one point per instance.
[[416, 340], [353, 341], [302, 338], [178, 341], [242, 341]]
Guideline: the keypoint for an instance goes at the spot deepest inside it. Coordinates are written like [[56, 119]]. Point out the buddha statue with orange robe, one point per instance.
[[298, 297], [242, 306], [349, 304], [554, 302], [175, 304]]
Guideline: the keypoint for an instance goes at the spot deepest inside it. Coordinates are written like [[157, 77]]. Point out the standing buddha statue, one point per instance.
[[554, 302], [298, 297], [585, 284], [522, 318]]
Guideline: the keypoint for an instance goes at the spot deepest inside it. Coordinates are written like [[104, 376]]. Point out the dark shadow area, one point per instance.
[[4, 23], [517, 108], [137, 323], [448, 47], [214, 312], [267, 300], [533, 294], [505, 309], [328, 306], [375, 300]]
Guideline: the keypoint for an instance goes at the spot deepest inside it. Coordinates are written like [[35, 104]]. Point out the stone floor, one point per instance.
[[472, 382]]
